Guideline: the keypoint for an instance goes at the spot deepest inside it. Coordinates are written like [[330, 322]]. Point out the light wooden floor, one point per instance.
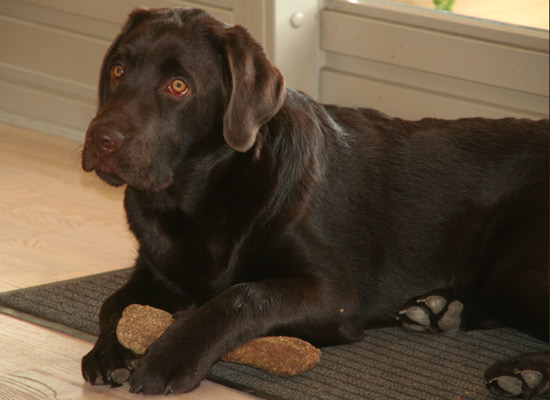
[[57, 223]]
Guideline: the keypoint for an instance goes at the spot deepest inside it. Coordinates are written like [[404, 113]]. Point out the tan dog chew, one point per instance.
[[140, 326]]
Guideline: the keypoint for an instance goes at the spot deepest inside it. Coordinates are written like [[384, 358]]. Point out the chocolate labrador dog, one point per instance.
[[259, 211]]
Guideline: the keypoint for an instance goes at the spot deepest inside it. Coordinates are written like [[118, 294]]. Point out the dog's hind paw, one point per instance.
[[524, 376], [434, 312]]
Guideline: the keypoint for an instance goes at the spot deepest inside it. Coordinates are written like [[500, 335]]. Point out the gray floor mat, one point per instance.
[[388, 363]]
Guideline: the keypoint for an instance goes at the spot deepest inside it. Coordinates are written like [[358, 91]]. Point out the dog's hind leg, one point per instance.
[[516, 291], [521, 300]]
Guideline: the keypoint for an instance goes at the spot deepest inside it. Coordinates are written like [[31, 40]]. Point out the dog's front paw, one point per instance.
[[175, 363], [433, 312], [108, 363], [524, 376], [165, 374]]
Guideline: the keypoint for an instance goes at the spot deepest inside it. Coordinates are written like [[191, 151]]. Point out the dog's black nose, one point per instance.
[[106, 140], [101, 142]]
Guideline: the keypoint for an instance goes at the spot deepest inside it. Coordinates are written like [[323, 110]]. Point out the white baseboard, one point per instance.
[[41, 126]]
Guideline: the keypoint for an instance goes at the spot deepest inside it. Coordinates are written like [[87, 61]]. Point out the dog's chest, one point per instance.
[[184, 248]]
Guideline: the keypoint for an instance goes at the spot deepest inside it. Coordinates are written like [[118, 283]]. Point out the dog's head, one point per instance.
[[173, 83]]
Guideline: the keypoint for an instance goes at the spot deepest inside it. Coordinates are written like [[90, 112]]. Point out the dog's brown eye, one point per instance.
[[178, 87], [117, 71]]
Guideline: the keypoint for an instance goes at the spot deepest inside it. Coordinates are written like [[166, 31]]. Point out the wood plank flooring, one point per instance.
[[57, 223]]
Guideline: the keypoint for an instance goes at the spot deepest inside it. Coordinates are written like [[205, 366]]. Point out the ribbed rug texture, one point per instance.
[[389, 363]]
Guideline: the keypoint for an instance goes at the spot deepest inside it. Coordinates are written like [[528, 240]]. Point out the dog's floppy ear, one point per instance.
[[256, 89], [137, 16]]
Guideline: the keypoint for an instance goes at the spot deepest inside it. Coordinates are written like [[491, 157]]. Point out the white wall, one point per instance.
[[414, 63]]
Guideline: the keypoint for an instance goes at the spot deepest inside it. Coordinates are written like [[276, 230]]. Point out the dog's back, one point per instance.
[[419, 205]]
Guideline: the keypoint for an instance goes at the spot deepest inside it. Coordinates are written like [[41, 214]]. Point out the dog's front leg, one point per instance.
[[109, 363], [184, 354]]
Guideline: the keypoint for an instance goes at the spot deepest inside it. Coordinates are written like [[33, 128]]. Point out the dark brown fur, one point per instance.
[[259, 211]]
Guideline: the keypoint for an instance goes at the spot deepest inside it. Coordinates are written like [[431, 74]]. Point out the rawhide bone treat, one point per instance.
[[140, 326]]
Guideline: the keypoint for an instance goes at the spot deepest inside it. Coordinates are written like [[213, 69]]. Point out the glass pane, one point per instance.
[[532, 13]]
